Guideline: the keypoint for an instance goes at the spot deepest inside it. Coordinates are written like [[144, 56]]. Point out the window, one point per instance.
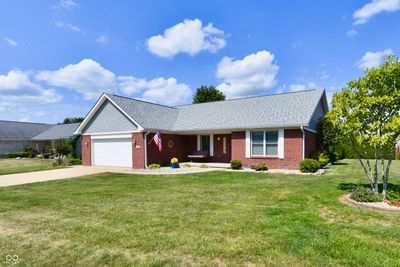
[[264, 143], [205, 143]]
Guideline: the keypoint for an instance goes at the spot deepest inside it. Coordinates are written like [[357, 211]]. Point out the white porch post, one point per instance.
[[211, 145], [198, 143]]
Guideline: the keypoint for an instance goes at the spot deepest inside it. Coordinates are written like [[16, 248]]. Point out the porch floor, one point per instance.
[[209, 164]]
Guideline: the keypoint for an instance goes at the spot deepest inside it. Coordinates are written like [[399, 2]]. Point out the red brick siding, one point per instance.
[[182, 146], [293, 153], [311, 143], [138, 150], [86, 150]]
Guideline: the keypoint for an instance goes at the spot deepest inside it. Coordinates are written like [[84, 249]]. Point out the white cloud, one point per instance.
[[373, 8], [167, 91], [87, 77], [130, 85], [66, 4], [189, 36], [102, 39], [10, 41], [16, 86], [373, 59], [62, 24], [248, 76], [351, 33]]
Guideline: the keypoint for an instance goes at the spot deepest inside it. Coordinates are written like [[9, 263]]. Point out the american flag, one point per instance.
[[157, 140]]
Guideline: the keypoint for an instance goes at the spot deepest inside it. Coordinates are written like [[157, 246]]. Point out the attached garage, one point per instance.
[[112, 151]]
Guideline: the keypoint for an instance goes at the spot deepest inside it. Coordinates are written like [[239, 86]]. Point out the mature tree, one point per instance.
[[73, 120], [367, 112], [207, 94]]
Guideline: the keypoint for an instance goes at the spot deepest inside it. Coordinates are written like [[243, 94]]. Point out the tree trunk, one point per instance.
[[386, 177], [362, 164], [376, 171]]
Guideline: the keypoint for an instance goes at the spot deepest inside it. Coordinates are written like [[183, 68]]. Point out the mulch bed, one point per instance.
[[376, 206]]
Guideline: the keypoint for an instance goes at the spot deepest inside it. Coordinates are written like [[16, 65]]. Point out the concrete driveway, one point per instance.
[[41, 176], [77, 171]]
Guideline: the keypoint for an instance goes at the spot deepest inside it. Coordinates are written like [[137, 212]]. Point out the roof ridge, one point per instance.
[[140, 100], [249, 97], [27, 122]]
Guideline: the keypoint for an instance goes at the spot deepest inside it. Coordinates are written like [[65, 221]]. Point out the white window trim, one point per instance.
[[250, 145]]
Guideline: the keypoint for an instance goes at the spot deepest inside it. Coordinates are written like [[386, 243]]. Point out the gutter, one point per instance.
[[145, 149]]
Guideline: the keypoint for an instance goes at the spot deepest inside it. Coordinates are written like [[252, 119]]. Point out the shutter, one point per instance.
[[247, 144], [281, 143]]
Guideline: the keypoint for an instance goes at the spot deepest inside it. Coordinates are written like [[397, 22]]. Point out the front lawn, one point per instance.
[[8, 166], [208, 219]]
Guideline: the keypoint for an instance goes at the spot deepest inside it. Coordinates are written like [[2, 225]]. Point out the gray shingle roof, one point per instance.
[[280, 110], [59, 131], [13, 130]]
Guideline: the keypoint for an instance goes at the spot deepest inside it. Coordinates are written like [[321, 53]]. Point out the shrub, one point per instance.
[[30, 152], [62, 147], [362, 194], [16, 155], [309, 165], [393, 197], [204, 166], [154, 166], [236, 164], [260, 167], [323, 159], [186, 165], [60, 161], [75, 162]]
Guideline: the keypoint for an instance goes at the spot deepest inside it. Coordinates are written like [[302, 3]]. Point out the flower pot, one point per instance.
[[174, 165]]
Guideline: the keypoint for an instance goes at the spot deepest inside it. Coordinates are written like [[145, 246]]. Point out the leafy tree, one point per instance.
[[207, 94], [63, 147], [367, 112], [73, 120]]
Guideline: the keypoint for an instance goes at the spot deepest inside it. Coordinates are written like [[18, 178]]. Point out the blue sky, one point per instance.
[[56, 57]]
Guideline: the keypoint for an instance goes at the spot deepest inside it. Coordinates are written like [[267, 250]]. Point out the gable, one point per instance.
[[108, 119], [318, 113]]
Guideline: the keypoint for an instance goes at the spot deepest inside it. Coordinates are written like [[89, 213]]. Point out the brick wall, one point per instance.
[[173, 145], [292, 156], [86, 150], [138, 150], [311, 143]]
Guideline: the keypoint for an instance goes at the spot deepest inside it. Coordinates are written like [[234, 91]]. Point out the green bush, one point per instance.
[[13, 155], [309, 165], [154, 166], [323, 159], [236, 164], [393, 195], [63, 147], [204, 166], [260, 167], [29, 150], [362, 194], [75, 162], [186, 165]]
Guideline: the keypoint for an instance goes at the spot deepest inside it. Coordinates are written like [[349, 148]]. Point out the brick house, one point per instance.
[[279, 130]]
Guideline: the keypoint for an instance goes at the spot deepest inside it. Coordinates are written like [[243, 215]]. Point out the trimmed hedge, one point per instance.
[[260, 167], [236, 164], [309, 165], [11, 155]]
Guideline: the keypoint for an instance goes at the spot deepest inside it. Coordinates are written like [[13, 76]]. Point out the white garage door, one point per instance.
[[112, 152]]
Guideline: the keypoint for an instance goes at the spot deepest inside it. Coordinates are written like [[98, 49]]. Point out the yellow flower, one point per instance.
[[174, 160]]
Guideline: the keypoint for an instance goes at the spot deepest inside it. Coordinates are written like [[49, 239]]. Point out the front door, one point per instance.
[[222, 148]]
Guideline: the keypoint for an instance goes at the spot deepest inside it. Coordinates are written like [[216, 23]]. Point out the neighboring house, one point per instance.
[[279, 130], [15, 136]]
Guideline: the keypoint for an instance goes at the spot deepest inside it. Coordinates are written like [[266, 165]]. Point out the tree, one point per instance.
[[367, 112], [63, 147], [207, 94], [73, 120]]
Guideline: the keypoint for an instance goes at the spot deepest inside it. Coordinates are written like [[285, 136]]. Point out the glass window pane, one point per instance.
[[257, 149], [257, 137], [272, 149], [205, 143], [271, 137]]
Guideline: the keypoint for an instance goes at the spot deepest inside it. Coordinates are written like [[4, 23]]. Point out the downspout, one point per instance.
[[145, 150], [304, 140]]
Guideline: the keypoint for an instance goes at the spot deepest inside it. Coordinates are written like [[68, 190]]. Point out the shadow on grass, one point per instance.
[[351, 186], [339, 163]]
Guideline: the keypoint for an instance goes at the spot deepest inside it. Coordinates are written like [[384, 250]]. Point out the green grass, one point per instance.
[[9, 166], [207, 219]]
